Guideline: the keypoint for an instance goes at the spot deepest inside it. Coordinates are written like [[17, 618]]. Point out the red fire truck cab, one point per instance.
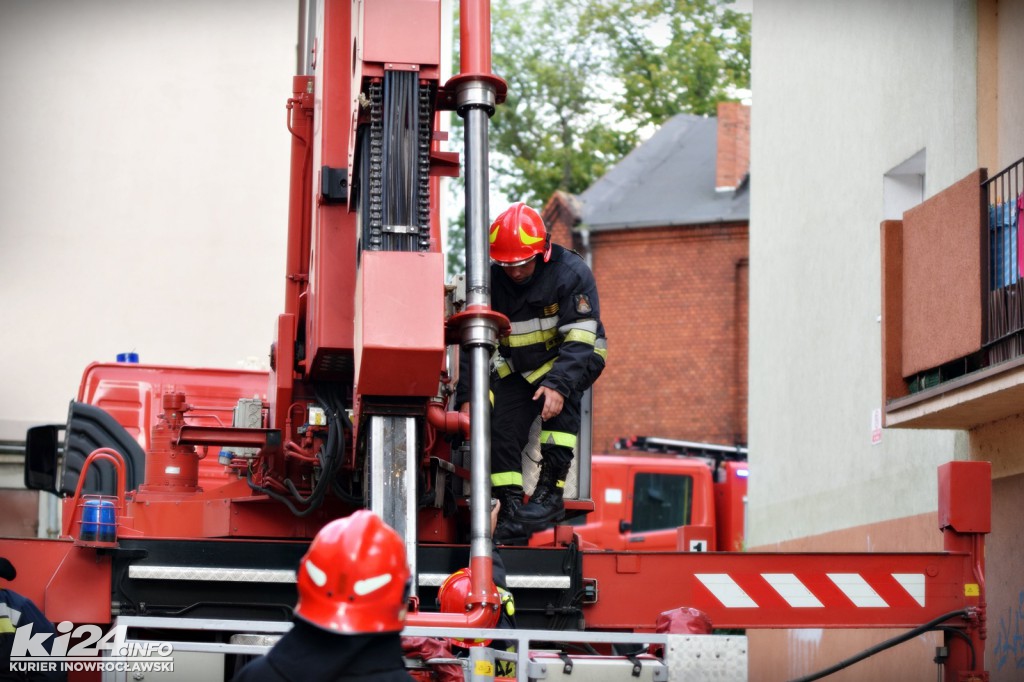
[[684, 497]]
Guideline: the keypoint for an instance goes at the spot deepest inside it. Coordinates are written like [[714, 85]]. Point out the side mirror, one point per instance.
[[42, 448], [624, 526]]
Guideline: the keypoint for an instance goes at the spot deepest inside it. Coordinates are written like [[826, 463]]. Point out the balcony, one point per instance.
[[953, 306]]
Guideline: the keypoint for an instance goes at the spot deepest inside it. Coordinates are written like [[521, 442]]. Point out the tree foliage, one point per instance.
[[585, 77], [672, 56], [557, 127]]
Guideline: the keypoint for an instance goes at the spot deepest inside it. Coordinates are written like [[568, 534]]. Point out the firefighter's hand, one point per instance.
[[553, 402]]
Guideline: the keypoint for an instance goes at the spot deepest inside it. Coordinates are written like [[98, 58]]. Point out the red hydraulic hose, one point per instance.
[[447, 422]]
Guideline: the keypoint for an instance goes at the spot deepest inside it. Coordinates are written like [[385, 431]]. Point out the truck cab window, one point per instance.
[[661, 501]]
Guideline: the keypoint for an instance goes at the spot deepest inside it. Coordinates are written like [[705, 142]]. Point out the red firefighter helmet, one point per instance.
[[354, 578], [517, 235], [451, 598]]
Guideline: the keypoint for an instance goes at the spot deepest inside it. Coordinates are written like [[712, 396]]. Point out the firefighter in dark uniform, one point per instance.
[[18, 611], [555, 351], [353, 585]]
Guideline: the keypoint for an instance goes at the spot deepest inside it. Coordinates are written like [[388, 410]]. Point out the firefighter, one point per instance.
[[18, 611], [353, 585], [556, 350]]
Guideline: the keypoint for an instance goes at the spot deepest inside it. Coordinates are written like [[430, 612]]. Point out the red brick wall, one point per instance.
[[733, 160], [560, 215], [674, 304]]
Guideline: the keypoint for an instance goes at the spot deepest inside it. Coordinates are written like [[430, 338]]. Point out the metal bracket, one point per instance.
[[334, 185], [400, 229]]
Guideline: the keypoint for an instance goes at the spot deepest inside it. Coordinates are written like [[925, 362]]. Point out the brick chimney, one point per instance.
[[733, 159]]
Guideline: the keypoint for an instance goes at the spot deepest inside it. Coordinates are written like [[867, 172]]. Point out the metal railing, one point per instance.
[[1004, 295]]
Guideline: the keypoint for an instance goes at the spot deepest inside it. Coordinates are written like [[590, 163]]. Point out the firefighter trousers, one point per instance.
[[514, 413]]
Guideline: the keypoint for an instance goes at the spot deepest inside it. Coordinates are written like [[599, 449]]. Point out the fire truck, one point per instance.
[[663, 494], [189, 494]]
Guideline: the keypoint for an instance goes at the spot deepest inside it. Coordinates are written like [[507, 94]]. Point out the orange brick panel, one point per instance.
[[893, 385], [942, 262]]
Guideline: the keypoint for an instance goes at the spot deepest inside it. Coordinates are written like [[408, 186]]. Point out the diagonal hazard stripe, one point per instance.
[[913, 583], [796, 593], [857, 590], [726, 590], [792, 590]]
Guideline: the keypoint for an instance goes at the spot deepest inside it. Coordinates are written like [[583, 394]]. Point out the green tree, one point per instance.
[[586, 76], [672, 56], [558, 127]]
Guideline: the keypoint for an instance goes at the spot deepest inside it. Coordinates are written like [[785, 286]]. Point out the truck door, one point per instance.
[[661, 501]]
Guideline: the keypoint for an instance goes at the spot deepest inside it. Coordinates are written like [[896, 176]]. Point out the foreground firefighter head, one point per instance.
[[517, 236], [354, 577]]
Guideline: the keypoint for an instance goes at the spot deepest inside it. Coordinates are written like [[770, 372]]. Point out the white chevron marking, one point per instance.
[[726, 590], [913, 583], [792, 590], [857, 589]]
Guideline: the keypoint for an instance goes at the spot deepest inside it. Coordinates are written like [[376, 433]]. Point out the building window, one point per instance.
[[903, 187]]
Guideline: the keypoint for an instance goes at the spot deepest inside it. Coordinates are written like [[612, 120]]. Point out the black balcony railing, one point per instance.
[[1004, 300]]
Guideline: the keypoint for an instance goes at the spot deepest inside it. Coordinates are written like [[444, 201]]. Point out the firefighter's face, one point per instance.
[[521, 273]]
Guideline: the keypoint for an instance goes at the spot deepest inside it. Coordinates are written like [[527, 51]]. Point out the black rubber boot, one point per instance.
[[509, 531], [545, 504]]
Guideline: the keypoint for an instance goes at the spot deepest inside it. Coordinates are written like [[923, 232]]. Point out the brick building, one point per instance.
[[667, 234]]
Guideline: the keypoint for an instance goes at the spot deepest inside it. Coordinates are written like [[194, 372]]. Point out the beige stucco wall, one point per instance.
[[143, 188], [1001, 443], [1010, 19], [843, 92]]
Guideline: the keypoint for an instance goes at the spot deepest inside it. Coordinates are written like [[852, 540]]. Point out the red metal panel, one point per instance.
[[133, 395], [766, 590], [965, 496], [695, 539], [65, 581], [330, 311], [35, 560], [730, 507], [282, 376], [400, 324], [80, 589], [402, 32]]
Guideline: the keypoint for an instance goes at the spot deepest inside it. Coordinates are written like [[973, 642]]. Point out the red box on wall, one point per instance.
[[965, 496]]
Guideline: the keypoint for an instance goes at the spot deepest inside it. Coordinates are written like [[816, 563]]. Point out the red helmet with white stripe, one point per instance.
[[517, 235], [451, 598], [354, 577]]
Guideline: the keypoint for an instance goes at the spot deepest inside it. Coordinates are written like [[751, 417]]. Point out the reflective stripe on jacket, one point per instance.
[[557, 338]]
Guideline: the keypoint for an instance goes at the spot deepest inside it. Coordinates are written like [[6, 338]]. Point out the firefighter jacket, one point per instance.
[[17, 611], [557, 339], [307, 653]]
